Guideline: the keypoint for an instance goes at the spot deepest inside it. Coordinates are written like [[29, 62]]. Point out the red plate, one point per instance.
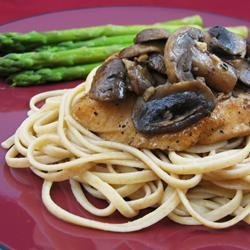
[[25, 223]]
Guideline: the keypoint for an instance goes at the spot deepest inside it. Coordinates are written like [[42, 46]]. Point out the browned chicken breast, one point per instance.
[[230, 119], [113, 122], [235, 113]]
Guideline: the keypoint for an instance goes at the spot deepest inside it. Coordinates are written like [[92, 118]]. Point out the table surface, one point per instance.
[[18, 9]]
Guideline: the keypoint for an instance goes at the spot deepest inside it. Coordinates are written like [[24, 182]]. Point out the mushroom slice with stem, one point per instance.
[[242, 67], [149, 35], [186, 56], [158, 79], [109, 82], [156, 63], [178, 54], [172, 108], [248, 51], [224, 41], [139, 78], [156, 66], [218, 74]]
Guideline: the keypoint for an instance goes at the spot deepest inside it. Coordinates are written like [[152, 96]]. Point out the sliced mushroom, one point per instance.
[[178, 54], [158, 79], [109, 82], [139, 49], [242, 67], [244, 75], [218, 74], [248, 50], [172, 108], [139, 78], [141, 58], [156, 62], [226, 42], [168, 89], [149, 35], [186, 56]]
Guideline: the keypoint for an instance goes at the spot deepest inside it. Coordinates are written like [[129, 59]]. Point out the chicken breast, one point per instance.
[[235, 113], [112, 121]]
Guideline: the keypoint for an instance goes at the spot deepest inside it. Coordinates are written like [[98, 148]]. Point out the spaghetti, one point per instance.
[[203, 185]]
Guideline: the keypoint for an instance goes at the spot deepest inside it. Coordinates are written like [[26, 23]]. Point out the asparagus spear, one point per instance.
[[35, 60], [36, 77], [104, 40], [18, 42], [96, 42], [239, 30]]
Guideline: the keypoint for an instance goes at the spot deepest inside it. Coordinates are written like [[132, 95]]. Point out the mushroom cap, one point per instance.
[[172, 108], [156, 63], [109, 82], [148, 35], [248, 49], [139, 78], [244, 75], [140, 49], [178, 54], [242, 67], [218, 74], [226, 42]]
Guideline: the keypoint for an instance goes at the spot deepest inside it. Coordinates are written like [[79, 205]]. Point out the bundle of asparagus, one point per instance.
[[40, 57], [17, 42]]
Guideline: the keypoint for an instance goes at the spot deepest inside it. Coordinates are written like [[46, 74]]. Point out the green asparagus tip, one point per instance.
[[242, 31], [194, 20]]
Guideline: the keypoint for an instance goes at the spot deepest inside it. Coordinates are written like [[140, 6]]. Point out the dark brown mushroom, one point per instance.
[[172, 108], [242, 67], [109, 82], [140, 49], [158, 79], [248, 50], [226, 42], [178, 54], [149, 35], [218, 74], [156, 63], [244, 75], [139, 78], [186, 56], [141, 58]]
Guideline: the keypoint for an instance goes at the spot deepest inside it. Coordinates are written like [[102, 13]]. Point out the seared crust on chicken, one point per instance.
[[112, 121], [235, 113]]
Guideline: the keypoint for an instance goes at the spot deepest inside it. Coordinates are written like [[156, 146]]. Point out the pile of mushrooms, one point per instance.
[[176, 77]]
